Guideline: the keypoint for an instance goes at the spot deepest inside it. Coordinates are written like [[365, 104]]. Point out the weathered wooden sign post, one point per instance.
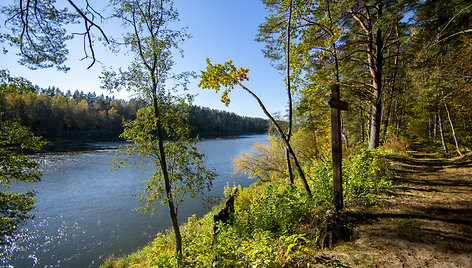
[[336, 145]]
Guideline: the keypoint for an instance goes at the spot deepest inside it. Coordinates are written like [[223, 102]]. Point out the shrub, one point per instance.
[[264, 162], [267, 162], [274, 210], [364, 174], [367, 173]]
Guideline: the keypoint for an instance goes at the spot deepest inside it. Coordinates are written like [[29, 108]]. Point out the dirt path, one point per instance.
[[426, 223]]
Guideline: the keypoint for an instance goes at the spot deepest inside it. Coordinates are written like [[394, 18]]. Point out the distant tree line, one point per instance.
[[67, 116], [208, 122]]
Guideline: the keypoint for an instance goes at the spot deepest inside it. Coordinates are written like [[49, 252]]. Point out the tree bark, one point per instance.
[[289, 93], [376, 73], [375, 120], [168, 189], [374, 53], [441, 130], [452, 127]]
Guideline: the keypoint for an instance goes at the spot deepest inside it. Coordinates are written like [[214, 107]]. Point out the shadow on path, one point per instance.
[[426, 222]]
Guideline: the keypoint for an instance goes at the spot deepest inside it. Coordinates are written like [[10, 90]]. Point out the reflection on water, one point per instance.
[[39, 238], [86, 213]]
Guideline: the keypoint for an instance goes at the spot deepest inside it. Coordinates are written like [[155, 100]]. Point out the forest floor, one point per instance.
[[426, 222]]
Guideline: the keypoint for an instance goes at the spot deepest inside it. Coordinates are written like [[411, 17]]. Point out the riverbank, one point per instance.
[[423, 221], [274, 223]]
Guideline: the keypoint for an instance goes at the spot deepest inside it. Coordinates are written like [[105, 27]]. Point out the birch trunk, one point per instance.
[[168, 188], [452, 127], [441, 130]]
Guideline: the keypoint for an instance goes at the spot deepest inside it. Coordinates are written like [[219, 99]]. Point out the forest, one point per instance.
[[66, 117], [387, 83]]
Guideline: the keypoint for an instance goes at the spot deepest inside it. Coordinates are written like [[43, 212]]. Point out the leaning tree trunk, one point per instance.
[[453, 130], [284, 139], [168, 189], [289, 166]]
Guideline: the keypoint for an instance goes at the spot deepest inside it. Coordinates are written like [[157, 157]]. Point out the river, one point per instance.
[[85, 212]]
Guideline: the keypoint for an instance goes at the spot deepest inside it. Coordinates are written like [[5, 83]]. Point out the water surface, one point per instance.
[[87, 212]]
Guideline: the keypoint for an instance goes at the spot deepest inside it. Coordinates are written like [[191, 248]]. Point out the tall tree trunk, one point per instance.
[[452, 127], [289, 93], [429, 128], [168, 188], [368, 125], [336, 132], [435, 130], [377, 86], [441, 130], [375, 118], [374, 53]]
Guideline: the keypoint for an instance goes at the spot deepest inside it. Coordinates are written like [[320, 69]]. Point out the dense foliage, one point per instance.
[[57, 116], [16, 165], [207, 122], [402, 65]]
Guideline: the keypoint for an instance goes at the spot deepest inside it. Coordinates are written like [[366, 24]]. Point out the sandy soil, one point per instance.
[[426, 223]]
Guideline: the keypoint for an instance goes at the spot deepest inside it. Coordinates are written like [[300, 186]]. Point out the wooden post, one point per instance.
[[336, 144]]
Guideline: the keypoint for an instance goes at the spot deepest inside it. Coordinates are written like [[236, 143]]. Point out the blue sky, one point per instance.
[[221, 30]]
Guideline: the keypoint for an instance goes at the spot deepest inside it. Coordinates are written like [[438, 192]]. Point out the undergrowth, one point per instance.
[[365, 175], [265, 231]]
